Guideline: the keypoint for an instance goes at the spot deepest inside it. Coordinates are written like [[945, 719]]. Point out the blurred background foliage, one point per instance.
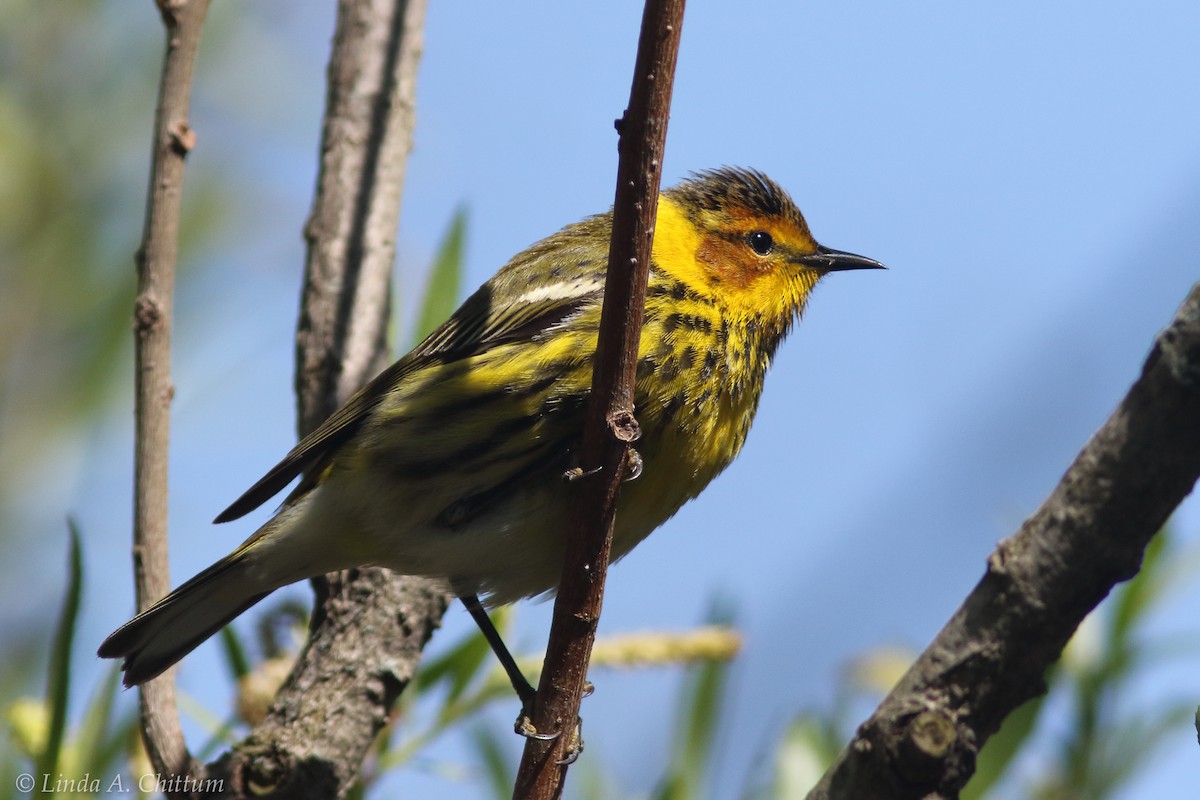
[[74, 148], [75, 104], [75, 109], [66, 273]]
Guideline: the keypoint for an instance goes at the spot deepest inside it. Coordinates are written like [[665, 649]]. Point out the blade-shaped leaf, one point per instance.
[[235, 652], [497, 769], [94, 739], [59, 687], [699, 720], [993, 761], [463, 662], [441, 295]]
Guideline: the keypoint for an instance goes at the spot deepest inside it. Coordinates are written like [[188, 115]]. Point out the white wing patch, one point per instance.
[[562, 290]]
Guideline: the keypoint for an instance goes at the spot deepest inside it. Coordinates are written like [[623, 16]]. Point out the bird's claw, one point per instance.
[[633, 465], [575, 473], [574, 745], [524, 727], [632, 471]]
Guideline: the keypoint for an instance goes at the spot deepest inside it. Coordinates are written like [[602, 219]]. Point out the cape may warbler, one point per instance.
[[451, 462]]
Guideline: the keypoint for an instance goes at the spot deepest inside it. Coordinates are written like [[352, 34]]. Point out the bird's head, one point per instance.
[[734, 236]]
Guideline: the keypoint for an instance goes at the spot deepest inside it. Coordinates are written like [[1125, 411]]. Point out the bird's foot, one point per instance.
[[524, 727]]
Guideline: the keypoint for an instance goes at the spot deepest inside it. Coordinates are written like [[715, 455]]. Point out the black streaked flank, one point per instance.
[[458, 459], [447, 410], [480, 464], [461, 511], [671, 408], [693, 322], [647, 367], [676, 290], [669, 370]]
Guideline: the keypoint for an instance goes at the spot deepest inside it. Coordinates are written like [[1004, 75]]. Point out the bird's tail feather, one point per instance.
[[174, 626]]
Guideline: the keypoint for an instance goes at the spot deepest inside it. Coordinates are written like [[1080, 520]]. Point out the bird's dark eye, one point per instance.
[[761, 242]]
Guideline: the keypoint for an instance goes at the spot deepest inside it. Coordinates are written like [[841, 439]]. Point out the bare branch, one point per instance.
[[1089, 534], [610, 426], [369, 625], [153, 311], [341, 341]]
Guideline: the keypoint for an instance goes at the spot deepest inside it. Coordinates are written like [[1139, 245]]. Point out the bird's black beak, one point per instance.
[[829, 260]]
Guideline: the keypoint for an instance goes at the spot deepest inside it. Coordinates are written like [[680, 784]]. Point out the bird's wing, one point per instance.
[[475, 327]]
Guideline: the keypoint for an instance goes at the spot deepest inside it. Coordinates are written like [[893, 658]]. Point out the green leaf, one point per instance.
[[441, 296], [500, 777], [1130, 746], [1002, 748], [357, 791], [1138, 595], [808, 749], [460, 665], [696, 731], [235, 652], [93, 740], [59, 688]]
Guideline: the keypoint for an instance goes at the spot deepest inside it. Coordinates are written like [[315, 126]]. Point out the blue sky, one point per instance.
[[1029, 172]]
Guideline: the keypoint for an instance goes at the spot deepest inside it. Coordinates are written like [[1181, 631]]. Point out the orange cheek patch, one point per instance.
[[728, 262]]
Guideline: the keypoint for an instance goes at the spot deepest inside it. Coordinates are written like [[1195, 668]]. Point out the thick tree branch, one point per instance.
[[369, 626], [1089, 534], [153, 311], [341, 341], [610, 425]]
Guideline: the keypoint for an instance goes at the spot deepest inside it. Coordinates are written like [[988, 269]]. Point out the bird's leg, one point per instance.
[[523, 688]]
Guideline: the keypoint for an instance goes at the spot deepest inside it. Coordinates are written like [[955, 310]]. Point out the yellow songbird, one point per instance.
[[451, 462]]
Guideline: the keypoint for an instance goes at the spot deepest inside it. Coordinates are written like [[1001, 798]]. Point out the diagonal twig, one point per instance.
[[610, 426], [1089, 534], [153, 310]]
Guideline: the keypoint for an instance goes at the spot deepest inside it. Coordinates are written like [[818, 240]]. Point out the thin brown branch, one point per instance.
[[153, 310], [610, 427], [369, 626], [1089, 534]]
